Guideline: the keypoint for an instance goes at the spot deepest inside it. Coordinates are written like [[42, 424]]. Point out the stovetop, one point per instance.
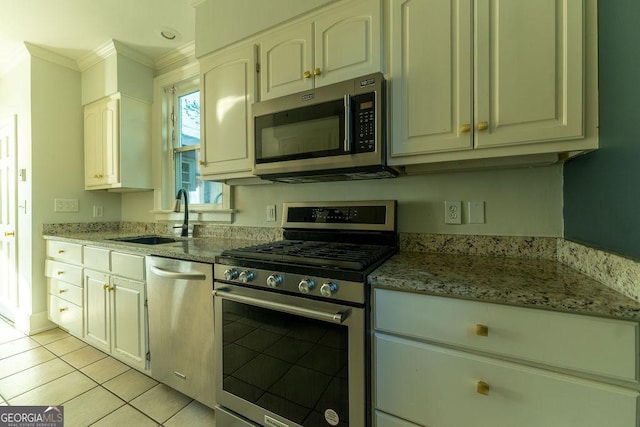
[[348, 256]]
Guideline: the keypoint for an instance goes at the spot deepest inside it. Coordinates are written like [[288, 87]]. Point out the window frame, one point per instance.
[[164, 173]]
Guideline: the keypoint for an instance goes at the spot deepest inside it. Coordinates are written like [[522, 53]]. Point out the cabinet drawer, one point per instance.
[[127, 265], [583, 343], [386, 420], [63, 272], [64, 251], [66, 291], [434, 386], [97, 258], [66, 314]]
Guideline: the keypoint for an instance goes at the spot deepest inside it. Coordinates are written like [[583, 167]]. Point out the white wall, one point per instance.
[[519, 202]]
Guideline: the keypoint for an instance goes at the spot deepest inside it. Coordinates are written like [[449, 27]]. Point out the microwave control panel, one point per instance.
[[365, 126]]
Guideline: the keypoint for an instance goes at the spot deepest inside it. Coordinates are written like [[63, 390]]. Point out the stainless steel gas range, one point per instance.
[[291, 318]]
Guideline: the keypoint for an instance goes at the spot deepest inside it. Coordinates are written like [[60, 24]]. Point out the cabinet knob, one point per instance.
[[105, 287], [482, 126], [482, 388], [60, 251], [307, 75], [60, 272], [317, 72], [482, 330], [201, 162], [63, 309], [465, 128], [62, 291]]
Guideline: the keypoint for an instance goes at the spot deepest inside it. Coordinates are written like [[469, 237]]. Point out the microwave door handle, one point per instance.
[[347, 124]]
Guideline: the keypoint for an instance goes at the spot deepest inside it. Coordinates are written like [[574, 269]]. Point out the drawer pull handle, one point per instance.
[[482, 388], [62, 291], [63, 309], [482, 330], [60, 251], [9, 234], [60, 272]]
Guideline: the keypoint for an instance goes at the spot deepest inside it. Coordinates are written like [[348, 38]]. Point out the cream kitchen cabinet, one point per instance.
[[499, 365], [227, 90], [476, 79], [117, 144], [115, 305], [63, 269], [338, 44]]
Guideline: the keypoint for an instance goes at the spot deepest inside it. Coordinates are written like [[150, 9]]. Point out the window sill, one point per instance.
[[196, 215]]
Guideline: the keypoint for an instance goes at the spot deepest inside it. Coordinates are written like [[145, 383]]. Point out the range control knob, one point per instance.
[[246, 276], [230, 274], [328, 289], [306, 285], [274, 280]]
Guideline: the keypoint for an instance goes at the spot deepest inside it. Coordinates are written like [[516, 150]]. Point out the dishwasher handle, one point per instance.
[[176, 274]]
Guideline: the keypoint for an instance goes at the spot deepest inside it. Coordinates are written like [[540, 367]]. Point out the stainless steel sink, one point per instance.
[[146, 240]]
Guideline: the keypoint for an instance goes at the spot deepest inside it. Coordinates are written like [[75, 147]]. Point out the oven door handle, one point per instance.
[[338, 317]]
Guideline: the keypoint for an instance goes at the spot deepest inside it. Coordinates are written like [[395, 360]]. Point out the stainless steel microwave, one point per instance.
[[334, 132]]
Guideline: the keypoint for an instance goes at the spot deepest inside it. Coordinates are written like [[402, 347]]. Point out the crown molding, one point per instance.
[[195, 3], [186, 52], [47, 55], [109, 48]]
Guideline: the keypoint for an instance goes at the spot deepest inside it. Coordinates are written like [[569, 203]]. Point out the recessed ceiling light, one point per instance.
[[168, 33]]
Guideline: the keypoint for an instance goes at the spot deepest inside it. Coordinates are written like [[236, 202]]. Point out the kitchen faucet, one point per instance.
[[176, 208]]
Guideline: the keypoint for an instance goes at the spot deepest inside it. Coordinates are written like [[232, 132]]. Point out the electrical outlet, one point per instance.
[[65, 205], [271, 213], [97, 211], [453, 212]]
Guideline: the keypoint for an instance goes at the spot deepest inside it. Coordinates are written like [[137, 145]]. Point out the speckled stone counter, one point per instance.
[[534, 283], [200, 249]]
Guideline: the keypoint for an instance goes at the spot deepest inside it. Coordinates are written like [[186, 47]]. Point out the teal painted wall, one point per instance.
[[602, 189]]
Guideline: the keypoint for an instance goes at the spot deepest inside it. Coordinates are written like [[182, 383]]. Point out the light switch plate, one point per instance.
[[476, 212], [271, 213]]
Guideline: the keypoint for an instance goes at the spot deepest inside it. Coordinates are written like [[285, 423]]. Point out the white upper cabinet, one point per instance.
[[227, 90], [117, 144], [473, 79], [342, 43]]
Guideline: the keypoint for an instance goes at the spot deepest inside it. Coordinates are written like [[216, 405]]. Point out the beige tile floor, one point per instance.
[[55, 368]]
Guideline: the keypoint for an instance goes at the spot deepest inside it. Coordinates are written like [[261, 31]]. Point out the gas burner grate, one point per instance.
[[329, 254]]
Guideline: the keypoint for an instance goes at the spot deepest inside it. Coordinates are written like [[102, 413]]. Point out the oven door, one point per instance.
[[289, 361]]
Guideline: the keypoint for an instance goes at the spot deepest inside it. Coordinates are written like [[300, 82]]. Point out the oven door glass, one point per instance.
[[287, 364], [302, 133]]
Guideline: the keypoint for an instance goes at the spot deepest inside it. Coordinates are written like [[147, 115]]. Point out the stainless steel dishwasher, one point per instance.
[[180, 307]]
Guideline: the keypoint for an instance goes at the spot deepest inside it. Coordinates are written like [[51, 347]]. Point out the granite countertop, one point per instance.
[[532, 283], [199, 249]]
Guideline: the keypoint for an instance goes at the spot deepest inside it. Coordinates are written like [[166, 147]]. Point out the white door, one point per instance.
[[8, 253]]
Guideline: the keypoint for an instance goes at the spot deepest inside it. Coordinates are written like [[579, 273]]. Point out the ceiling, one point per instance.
[[74, 28]]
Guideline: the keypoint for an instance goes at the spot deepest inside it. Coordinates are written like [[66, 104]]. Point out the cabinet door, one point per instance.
[[431, 77], [227, 92], [102, 142], [129, 340], [435, 386], [529, 71], [347, 43], [96, 310], [285, 56]]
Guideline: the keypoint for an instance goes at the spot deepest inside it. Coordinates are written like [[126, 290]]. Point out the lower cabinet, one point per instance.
[[64, 282], [425, 374], [115, 305]]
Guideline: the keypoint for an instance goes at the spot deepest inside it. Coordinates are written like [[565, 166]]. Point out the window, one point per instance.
[[184, 119]]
